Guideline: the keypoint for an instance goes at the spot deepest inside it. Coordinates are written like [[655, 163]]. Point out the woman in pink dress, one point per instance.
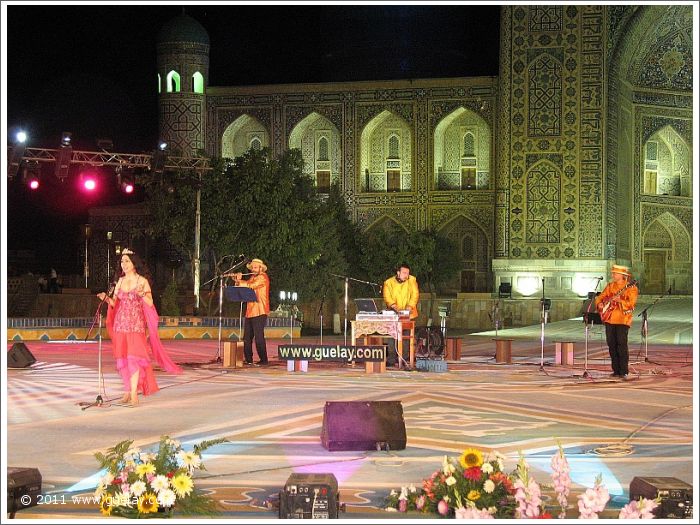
[[130, 312]]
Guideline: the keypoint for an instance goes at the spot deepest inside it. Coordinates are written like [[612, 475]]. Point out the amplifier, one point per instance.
[[676, 495], [310, 496], [23, 488]]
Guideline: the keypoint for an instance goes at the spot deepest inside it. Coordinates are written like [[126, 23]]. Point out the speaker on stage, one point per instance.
[[363, 425], [19, 356]]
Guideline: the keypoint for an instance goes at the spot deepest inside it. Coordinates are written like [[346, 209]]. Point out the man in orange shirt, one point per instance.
[[616, 304], [256, 313]]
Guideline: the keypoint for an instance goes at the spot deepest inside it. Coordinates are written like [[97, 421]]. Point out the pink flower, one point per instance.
[[420, 502], [593, 501], [472, 513], [561, 479], [642, 509], [443, 507], [403, 505], [150, 477]]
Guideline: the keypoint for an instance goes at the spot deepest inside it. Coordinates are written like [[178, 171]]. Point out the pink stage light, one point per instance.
[[128, 188], [34, 184], [89, 184]]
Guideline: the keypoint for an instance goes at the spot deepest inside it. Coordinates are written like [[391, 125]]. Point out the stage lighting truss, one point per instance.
[[31, 175], [14, 159]]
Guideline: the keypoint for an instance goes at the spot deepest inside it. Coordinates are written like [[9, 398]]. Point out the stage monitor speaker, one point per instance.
[[19, 356], [23, 488], [676, 496], [363, 425]]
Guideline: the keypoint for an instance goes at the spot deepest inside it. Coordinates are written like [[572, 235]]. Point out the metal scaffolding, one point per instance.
[[121, 160]]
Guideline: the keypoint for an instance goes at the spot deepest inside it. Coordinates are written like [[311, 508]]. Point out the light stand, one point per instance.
[[320, 313], [546, 304], [99, 400]]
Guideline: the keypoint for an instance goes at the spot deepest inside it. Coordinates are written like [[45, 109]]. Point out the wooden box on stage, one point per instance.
[[233, 354], [564, 353]]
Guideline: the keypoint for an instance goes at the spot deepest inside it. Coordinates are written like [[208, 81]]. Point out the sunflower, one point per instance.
[[182, 484], [148, 503], [106, 505], [471, 457]]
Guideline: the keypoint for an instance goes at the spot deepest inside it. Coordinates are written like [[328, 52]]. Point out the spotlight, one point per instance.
[[32, 175], [125, 180], [21, 137], [158, 158], [88, 181], [64, 156], [15, 158]]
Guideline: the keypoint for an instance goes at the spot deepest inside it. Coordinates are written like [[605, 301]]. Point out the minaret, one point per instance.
[[183, 77]]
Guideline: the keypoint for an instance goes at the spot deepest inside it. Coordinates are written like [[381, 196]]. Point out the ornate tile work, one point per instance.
[[182, 122], [676, 221], [545, 18], [295, 114], [543, 198], [370, 218], [544, 97]]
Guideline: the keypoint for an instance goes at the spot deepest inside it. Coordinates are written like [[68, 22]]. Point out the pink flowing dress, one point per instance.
[[127, 323]]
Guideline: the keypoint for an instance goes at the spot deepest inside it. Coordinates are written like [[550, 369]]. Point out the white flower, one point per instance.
[[166, 498], [391, 509], [189, 459], [160, 482], [99, 491], [134, 452], [492, 510], [446, 498], [487, 468], [130, 464], [501, 467], [107, 479], [450, 481], [138, 488], [489, 486], [174, 443], [446, 466], [148, 457], [412, 488], [393, 493], [404, 493]]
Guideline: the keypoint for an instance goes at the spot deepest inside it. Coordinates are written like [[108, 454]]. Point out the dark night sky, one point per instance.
[[91, 70]]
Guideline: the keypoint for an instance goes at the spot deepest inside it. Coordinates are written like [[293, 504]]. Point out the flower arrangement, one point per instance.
[[469, 486], [152, 484], [474, 487]]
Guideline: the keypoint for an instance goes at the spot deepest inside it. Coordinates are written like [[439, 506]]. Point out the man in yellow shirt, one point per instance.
[[401, 294]]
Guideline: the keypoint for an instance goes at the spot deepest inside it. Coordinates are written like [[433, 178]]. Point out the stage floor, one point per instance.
[[273, 419]]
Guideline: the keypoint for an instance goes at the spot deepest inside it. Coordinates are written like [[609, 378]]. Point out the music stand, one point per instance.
[[590, 318], [241, 294]]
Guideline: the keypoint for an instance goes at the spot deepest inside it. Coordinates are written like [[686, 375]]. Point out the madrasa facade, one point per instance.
[[576, 157]]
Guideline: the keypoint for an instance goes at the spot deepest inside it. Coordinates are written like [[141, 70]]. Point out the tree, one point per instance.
[[261, 206]]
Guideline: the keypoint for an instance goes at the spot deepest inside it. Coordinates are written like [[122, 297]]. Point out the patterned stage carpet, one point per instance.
[[273, 418]]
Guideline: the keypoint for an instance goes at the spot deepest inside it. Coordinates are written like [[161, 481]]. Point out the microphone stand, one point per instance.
[[320, 312], [588, 322], [347, 279], [220, 276], [645, 326], [97, 318]]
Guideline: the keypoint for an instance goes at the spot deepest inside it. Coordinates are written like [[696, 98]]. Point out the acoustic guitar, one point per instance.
[[606, 308]]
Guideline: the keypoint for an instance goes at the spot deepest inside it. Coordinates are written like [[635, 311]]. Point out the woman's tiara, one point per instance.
[[127, 251]]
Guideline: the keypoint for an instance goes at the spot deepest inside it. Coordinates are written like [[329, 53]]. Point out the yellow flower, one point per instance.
[[182, 484], [145, 468], [148, 503], [473, 495], [106, 505], [471, 457]]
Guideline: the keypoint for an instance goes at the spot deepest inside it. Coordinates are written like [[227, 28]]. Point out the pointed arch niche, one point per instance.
[[462, 155], [667, 164], [667, 248], [386, 150], [475, 253], [242, 134], [319, 142]]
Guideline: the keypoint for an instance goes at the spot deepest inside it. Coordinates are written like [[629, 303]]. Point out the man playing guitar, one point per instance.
[[615, 305]]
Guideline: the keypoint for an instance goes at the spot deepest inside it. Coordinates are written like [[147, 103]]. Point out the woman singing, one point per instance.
[[131, 310]]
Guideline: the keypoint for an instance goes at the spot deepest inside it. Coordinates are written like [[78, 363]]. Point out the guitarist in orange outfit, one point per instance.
[[615, 305]]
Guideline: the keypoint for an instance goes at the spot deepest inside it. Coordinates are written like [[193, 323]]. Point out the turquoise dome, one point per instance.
[[183, 28]]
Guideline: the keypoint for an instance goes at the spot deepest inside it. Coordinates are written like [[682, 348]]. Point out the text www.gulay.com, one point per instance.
[[331, 353]]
